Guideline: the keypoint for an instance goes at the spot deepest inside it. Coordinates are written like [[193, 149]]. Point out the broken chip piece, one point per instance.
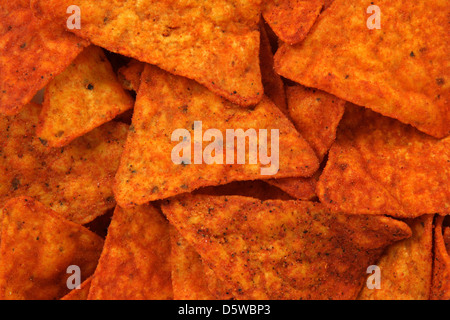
[[83, 97], [37, 248], [282, 249]]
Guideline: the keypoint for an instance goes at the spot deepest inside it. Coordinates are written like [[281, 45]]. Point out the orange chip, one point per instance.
[[273, 85], [167, 104], [291, 20], [400, 70], [406, 266], [282, 249], [188, 277], [75, 181], [256, 189], [219, 289], [379, 165], [135, 262], [316, 115], [298, 188], [32, 52], [130, 75], [215, 42], [79, 294], [440, 289], [86, 95], [37, 248]]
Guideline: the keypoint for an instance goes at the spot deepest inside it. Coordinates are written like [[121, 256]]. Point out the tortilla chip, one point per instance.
[[291, 20], [406, 266], [79, 294], [400, 70], [130, 75], [316, 115], [272, 83], [86, 95], [219, 289], [440, 288], [147, 172], [188, 277], [75, 181], [378, 164], [135, 262], [215, 43], [37, 247], [298, 188], [32, 52], [282, 249], [256, 189]]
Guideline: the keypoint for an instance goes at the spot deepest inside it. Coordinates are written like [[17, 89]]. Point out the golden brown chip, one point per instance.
[[400, 70], [32, 52], [378, 164], [188, 277], [316, 115], [37, 248], [406, 266], [130, 75], [440, 288], [79, 294], [167, 104], [256, 189], [291, 20], [282, 249], [86, 95], [135, 262], [75, 181], [213, 42], [272, 83]]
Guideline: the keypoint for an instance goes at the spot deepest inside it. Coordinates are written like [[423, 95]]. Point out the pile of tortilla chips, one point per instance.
[[224, 150]]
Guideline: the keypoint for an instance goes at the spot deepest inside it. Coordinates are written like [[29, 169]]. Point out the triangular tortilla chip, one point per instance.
[[32, 52], [86, 95], [166, 103], [188, 277], [213, 42], [79, 294], [400, 70], [440, 289], [37, 247], [316, 115], [291, 20], [378, 164], [282, 249], [273, 85], [219, 289], [406, 266], [75, 181], [130, 75], [298, 188], [135, 262]]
